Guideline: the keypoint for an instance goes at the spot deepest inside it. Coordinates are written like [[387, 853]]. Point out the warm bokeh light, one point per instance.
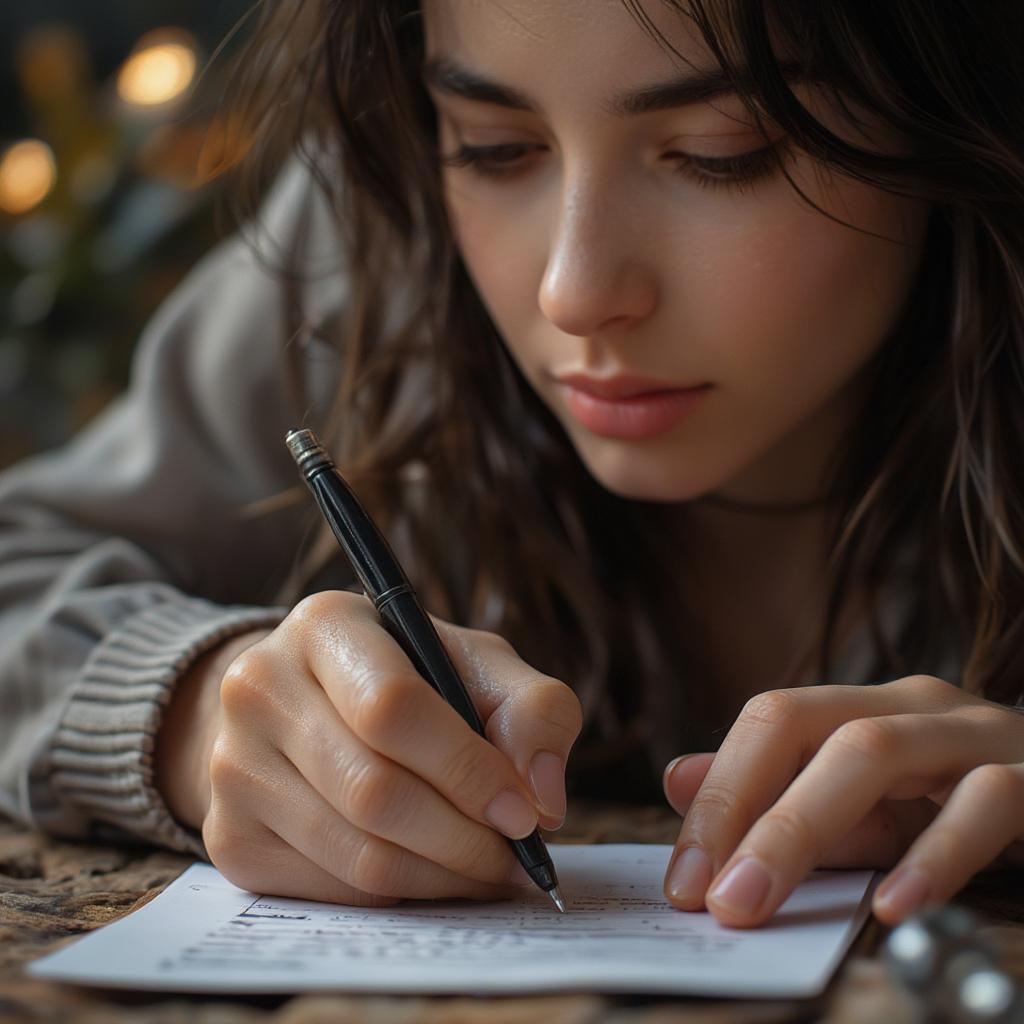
[[160, 70], [28, 172]]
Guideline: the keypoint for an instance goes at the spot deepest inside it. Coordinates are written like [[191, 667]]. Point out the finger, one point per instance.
[[394, 711], [857, 766], [255, 858], [383, 798], [364, 861], [287, 805], [682, 779], [775, 736], [979, 821], [532, 718], [763, 751]]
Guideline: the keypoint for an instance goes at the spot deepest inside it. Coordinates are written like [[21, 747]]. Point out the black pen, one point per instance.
[[403, 616]]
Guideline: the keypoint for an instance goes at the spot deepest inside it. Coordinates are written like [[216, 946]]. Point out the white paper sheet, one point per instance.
[[203, 934]]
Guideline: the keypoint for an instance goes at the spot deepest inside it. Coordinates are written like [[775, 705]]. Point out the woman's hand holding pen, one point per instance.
[[915, 775], [337, 773]]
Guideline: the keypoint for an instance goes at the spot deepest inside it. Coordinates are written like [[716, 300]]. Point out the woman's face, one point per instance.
[[613, 227]]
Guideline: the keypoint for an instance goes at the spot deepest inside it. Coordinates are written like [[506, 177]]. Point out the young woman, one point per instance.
[[679, 347]]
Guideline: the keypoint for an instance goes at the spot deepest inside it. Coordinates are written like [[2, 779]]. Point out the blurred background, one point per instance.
[[113, 149]]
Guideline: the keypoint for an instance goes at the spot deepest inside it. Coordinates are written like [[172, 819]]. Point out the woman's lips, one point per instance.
[[642, 415]]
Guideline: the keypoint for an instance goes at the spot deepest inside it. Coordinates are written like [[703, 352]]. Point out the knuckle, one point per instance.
[[311, 609], [338, 847], [314, 607], [491, 643], [482, 856], [772, 708], [221, 769], [227, 771], [243, 687], [930, 688], [794, 828], [371, 797], [463, 769], [927, 683], [374, 866], [872, 739], [474, 646], [1000, 785], [495, 641], [716, 802], [558, 706], [384, 709], [327, 605]]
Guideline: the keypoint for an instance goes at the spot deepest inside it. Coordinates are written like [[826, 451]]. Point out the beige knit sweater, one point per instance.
[[106, 543]]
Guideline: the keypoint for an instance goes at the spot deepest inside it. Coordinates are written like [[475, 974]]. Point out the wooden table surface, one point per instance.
[[52, 891]]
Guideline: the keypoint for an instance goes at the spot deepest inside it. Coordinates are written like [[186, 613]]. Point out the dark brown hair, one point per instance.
[[571, 573]]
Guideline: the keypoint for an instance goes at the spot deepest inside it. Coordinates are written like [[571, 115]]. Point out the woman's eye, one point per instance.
[[730, 172], [490, 161]]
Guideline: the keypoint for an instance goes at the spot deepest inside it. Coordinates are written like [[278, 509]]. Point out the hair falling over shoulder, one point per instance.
[[444, 439]]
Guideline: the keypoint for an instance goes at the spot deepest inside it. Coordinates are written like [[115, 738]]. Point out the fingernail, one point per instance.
[[518, 875], [690, 876], [670, 767], [547, 775], [510, 813], [904, 891], [744, 888], [678, 806]]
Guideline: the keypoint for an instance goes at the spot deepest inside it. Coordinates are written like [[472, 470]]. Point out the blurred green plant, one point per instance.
[[101, 214]]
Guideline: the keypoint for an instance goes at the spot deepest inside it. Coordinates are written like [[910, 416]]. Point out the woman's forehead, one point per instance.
[[600, 47], [582, 25]]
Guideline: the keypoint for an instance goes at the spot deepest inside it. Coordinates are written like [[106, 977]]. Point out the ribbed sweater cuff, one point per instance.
[[102, 753]]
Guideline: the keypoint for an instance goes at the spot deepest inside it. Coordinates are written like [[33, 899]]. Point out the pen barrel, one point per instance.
[[365, 547], [409, 624], [533, 855], [400, 611], [390, 590]]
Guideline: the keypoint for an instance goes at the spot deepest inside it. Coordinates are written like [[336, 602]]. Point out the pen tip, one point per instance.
[[556, 898]]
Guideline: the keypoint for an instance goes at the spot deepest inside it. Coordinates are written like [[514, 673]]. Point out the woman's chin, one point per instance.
[[653, 487]]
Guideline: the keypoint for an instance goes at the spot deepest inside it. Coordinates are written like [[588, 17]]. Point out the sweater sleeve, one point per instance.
[[127, 553]]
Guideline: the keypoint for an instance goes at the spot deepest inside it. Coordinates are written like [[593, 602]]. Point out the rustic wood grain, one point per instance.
[[53, 891]]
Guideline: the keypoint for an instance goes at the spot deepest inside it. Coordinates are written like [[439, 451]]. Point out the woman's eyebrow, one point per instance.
[[447, 76]]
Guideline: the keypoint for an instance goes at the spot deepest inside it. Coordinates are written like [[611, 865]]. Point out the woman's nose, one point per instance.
[[595, 278]]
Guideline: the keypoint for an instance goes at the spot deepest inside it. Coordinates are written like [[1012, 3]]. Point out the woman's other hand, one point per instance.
[[337, 773], [914, 775]]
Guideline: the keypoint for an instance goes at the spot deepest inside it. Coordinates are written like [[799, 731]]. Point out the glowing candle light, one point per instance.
[[160, 70], [28, 171]]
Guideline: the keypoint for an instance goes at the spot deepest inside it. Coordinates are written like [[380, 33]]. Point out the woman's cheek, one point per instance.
[[497, 243], [799, 297]]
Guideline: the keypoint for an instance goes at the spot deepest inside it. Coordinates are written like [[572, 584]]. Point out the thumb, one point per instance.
[[682, 779], [532, 718]]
